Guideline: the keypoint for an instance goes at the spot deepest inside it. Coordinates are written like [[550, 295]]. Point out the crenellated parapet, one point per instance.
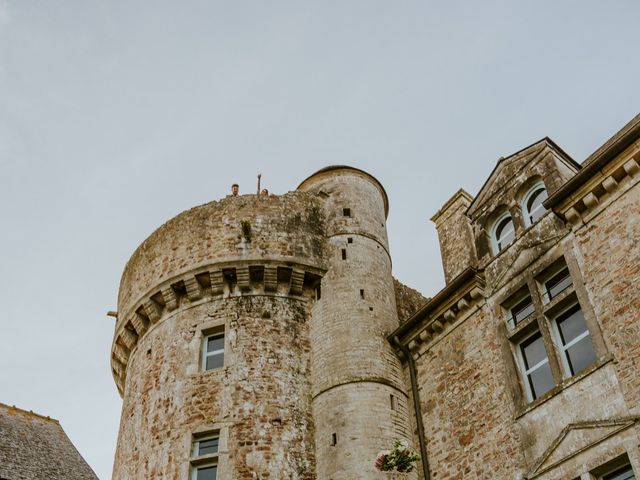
[[202, 285]]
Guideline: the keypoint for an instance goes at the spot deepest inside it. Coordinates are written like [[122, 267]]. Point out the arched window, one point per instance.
[[503, 232], [532, 207]]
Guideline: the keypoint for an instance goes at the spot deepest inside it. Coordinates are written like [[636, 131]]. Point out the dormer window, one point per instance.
[[532, 207], [503, 232]]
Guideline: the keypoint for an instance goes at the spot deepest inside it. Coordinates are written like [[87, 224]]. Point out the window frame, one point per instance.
[[559, 342], [516, 301], [206, 460], [496, 244], [206, 353], [605, 472], [544, 281], [542, 320], [526, 213], [620, 469], [197, 439], [197, 466], [522, 364]]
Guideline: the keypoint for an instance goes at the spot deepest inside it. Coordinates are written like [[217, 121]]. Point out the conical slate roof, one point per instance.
[[34, 447]]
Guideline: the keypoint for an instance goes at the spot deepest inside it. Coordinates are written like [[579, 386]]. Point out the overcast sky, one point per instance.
[[117, 115]]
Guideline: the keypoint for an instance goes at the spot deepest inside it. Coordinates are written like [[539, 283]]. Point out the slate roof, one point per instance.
[[34, 447]]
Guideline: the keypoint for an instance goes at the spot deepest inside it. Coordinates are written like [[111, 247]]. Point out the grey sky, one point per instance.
[[117, 115]]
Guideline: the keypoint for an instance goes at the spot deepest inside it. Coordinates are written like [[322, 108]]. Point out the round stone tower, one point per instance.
[[358, 390], [250, 340], [211, 350]]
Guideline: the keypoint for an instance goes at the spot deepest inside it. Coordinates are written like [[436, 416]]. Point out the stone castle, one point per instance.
[[264, 337]]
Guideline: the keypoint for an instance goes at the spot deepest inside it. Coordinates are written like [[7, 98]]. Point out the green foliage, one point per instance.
[[401, 458]]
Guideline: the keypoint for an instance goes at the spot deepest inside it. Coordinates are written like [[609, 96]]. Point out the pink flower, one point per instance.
[[381, 461]]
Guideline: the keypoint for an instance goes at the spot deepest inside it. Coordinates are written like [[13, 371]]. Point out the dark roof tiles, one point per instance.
[[34, 447]]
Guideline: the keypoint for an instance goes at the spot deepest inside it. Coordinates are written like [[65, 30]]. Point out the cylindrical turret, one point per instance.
[[251, 339], [359, 395], [211, 346]]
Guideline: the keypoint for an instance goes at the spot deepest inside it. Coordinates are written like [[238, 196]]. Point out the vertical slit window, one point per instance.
[[344, 253]]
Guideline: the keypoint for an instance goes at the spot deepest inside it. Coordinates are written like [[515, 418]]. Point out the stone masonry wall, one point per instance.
[[457, 245], [466, 406], [357, 380], [288, 227], [478, 422], [608, 251], [408, 300], [260, 401]]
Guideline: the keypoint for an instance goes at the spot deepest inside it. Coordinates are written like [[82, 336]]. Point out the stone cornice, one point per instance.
[[606, 182], [612, 149], [447, 307], [205, 283]]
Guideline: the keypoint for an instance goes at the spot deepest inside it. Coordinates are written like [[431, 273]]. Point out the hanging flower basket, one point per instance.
[[400, 459]]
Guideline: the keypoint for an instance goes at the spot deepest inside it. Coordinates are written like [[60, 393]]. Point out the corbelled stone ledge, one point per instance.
[[219, 280]]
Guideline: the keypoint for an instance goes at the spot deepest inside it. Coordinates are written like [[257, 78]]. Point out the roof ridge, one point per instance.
[[28, 412]]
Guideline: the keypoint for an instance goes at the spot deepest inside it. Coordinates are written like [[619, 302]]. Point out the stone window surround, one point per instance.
[[618, 472], [496, 246], [619, 461], [205, 353], [196, 346], [526, 214], [514, 205], [218, 458], [515, 211], [542, 318]]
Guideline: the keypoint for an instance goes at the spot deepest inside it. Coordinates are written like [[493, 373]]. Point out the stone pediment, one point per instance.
[[504, 172], [576, 438]]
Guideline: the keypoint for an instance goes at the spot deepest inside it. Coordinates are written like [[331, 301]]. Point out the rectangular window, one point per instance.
[[204, 460], [346, 212], [557, 284], [534, 365], [213, 351], [624, 473], [521, 311], [205, 472], [574, 340], [206, 445]]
